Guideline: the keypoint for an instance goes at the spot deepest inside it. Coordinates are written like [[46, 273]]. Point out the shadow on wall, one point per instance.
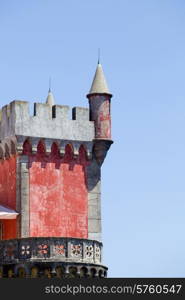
[[91, 167]]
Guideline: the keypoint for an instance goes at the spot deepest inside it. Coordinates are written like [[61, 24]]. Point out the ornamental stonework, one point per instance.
[[97, 253], [60, 250], [43, 250], [25, 251], [89, 250], [76, 250]]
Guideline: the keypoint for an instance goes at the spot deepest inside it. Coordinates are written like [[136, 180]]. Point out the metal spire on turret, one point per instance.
[[50, 98], [99, 84], [98, 56]]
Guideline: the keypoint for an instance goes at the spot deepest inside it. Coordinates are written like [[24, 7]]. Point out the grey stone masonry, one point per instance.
[[94, 200], [24, 196], [47, 122]]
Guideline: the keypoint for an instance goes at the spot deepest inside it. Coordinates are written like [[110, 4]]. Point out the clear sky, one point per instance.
[[143, 55]]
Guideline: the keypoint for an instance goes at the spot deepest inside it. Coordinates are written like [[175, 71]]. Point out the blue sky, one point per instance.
[[143, 55]]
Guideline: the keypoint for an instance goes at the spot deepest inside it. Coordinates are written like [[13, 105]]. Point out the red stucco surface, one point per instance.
[[104, 121], [9, 229], [100, 114], [58, 194], [8, 193]]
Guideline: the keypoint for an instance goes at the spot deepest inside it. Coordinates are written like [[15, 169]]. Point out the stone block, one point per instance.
[[80, 113], [94, 225]]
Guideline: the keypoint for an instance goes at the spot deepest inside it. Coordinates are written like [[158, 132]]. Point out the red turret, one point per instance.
[[99, 102]]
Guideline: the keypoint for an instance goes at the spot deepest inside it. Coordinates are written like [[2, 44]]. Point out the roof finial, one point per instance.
[[50, 99], [98, 56], [49, 84]]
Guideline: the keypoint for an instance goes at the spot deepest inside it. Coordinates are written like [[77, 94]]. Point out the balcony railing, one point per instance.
[[47, 249]]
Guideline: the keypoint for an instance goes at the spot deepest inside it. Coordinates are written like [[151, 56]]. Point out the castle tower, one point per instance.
[[50, 175]]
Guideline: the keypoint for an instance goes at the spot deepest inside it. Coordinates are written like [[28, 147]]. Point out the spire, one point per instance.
[[99, 85], [98, 56], [50, 98]]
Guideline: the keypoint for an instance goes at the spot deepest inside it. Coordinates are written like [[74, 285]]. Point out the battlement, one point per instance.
[[46, 122]]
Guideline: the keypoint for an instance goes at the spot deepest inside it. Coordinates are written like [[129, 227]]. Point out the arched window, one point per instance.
[[100, 273], [47, 273], [59, 272], [83, 272], [10, 273], [21, 272], [34, 272], [93, 272], [72, 272]]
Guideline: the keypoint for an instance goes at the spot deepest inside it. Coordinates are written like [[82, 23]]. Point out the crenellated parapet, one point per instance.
[[46, 122], [20, 144]]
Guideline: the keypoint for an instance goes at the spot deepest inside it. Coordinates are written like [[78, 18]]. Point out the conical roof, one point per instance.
[[50, 98], [99, 84]]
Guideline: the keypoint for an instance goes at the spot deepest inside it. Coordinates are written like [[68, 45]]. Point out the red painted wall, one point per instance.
[[8, 193], [58, 194], [9, 229], [103, 129]]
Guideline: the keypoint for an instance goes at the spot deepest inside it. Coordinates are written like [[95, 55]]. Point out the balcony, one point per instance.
[[73, 256]]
